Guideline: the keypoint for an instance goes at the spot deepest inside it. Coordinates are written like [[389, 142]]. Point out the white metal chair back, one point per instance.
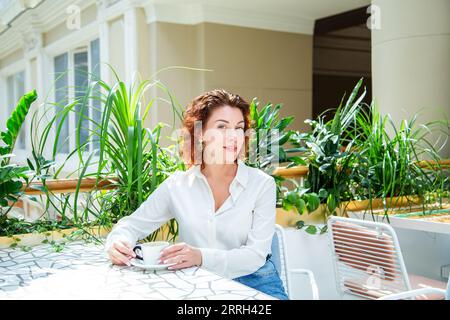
[[367, 259], [281, 261], [280, 258]]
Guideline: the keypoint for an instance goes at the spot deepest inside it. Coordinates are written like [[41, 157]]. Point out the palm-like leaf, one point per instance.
[[14, 124]]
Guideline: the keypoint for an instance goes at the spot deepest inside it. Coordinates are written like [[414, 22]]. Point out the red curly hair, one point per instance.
[[199, 111]]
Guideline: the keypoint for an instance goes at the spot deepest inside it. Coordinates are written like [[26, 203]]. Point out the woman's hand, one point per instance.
[[121, 252], [182, 254]]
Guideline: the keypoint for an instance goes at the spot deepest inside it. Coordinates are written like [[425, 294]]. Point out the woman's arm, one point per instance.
[[152, 214], [251, 256]]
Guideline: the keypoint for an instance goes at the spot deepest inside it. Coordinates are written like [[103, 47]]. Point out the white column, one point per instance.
[[32, 43], [131, 43], [150, 14], [411, 59], [28, 85], [103, 36], [45, 90], [4, 102]]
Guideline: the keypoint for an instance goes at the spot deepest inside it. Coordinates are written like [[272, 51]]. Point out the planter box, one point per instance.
[[33, 239], [407, 202], [59, 236], [437, 221], [70, 185], [394, 202]]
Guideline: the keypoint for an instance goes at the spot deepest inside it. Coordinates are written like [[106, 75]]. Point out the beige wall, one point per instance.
[[174, 45], [11, 58], [87, 16], [143, 39], [117, 48], [272, 66]]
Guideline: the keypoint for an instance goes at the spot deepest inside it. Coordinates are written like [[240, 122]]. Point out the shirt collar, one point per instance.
[[241, 174]]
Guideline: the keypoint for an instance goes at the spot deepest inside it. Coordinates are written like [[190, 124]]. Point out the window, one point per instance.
[[73, 71], [15, 88], [62, 98]]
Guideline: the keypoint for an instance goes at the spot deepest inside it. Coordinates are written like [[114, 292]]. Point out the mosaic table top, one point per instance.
[[82, 271]]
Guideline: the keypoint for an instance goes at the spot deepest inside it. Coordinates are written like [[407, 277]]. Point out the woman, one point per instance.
[[225, 210]]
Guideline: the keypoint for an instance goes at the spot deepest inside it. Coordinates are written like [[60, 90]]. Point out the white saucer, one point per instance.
[[140, 264]]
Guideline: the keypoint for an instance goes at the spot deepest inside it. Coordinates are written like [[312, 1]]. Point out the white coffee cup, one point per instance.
[[149, 252]]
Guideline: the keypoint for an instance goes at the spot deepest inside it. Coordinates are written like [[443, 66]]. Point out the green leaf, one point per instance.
[[311, 229], [324, 229], [26, 248], [284, 123], [15, 121], [312, 201], [300, 206], [264, 116], [331, 202], [296, 161], [3, 151], [287, 206], [323, 193], [30, 164], [292, 197], [253, 109], [12, 186], [300, 224]]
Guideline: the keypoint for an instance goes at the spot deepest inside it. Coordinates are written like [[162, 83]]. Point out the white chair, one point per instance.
[[368, 263], [281, 262]]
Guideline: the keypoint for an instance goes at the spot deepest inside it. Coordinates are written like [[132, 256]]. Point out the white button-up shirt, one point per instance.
[[234, 241]]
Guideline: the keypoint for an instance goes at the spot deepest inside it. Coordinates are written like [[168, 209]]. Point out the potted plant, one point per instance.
[[398, 166], [13, 175], [128, 155], [330, 156], [269, 147], [268, 143]]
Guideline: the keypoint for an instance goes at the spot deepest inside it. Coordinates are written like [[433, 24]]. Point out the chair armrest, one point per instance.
[[412, 293], [312, 280]]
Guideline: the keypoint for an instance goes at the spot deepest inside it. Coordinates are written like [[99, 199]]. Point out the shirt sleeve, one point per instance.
[[251, 256], [151, 214]]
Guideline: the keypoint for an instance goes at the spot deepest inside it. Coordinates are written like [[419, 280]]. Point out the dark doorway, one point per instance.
[[341, 56]]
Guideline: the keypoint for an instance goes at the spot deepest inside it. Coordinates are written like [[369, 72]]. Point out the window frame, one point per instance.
[[6, 72], [84, 46]]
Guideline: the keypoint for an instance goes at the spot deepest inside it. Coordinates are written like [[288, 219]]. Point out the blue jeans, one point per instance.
[[448, 289], [266, 279]]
